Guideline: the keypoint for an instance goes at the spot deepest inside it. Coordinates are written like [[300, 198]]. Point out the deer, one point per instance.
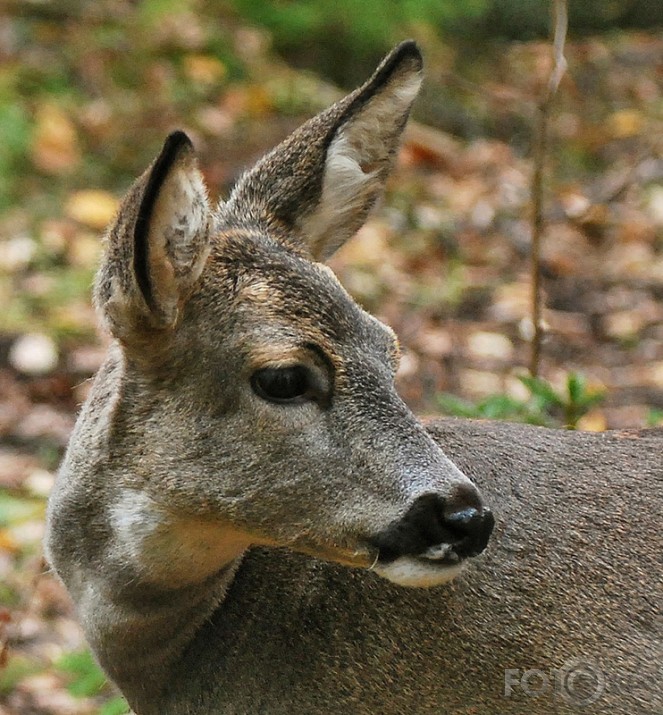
[[249, 519]]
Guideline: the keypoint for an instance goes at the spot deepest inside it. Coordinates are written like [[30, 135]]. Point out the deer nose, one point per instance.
[[472, 527], [437, 529]]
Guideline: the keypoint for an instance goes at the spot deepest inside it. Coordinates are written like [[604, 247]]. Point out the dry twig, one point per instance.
[[540, 150]]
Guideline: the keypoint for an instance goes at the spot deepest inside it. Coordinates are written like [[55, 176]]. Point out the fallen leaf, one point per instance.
[[7, 543], [5, 619], [204, 69], [84, 250], [92, 207], [654, 204], [55, 148], [625, 123], [482, 344], [33, 354], [593, 421], [16, 253], [435, 342], [479, 383]]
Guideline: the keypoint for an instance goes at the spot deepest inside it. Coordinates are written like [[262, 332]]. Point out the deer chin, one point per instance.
[[417, 572]]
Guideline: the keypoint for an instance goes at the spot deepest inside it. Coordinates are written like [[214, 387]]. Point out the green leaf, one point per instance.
[[543, 390], [581, 395], [575, 385], [655, 418], [14, 510], [452, 405], [116, 706], [499, 407], [87, 677]]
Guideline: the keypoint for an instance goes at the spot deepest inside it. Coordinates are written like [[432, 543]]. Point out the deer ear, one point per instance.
[[315, 189], [157, 245]]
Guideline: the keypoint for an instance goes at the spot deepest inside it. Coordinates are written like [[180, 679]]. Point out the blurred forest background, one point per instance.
[[89, 90]]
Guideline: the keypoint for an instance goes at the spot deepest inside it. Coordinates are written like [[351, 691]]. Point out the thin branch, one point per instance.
[[559, 40], [540, 151]]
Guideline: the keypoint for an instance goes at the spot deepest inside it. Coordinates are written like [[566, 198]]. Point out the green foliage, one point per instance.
[[495, 407], [116, 706], [151, 12], [86, 680], [372, 22], [573, 402], [655, 418], [544, 406], [346, 34], [15, 511], [376, 21], [13, 148]]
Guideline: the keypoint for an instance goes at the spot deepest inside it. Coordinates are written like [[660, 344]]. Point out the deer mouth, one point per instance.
[[421, 571], [438, 565], [415, 553], [429, 544]]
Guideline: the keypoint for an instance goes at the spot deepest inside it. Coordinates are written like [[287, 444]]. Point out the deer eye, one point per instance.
[[282, 384]]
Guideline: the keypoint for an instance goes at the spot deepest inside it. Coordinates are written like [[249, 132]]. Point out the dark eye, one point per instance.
[[281, 384]]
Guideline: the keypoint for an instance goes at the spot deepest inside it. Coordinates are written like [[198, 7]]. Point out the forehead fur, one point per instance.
[[275, 286]]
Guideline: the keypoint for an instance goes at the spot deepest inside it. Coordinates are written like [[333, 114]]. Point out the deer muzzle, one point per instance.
[[430, 542]]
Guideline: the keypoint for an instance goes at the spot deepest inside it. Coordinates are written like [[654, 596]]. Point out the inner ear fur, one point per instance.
[[157, 246], [314, 191]]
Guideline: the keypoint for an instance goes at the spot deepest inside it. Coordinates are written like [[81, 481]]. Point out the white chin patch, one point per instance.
[[406, 571]]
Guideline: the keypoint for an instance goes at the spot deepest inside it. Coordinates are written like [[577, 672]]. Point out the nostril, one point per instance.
[[472, 527], [464, 497], [464, 520]]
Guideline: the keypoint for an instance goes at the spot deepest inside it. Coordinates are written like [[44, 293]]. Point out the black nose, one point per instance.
[[437, 529]]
